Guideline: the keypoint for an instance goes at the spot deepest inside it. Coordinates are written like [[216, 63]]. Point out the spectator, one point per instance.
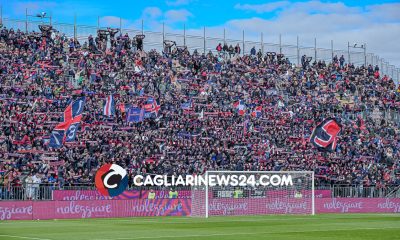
[[219, 48], [173, 193], [231, 51], [341, 60], [152, 195], [29, 188], [36, 181], [39, 79], [253, 51], [237, 49], [225, 49]]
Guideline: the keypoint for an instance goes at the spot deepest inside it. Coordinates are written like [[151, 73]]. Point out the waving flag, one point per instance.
[[151, 108], [138, 114], [66, 130], [241, 107], [187, 105], [149, 104], [123, 107], [156, 108], [109, 106], [324, 136], [257, 112], [135, 115], [245, 127]]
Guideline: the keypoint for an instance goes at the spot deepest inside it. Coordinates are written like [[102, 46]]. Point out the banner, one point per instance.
[[358, 205], [259, 206], [28, 210], [16, 210]]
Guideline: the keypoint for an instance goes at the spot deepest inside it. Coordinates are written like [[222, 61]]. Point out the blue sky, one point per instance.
[[194, 13], [375, 22]]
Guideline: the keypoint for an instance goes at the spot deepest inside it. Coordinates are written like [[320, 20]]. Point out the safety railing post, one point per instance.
[[204, 40]]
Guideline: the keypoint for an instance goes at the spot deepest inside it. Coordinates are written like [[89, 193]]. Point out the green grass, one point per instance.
[[321, 227]]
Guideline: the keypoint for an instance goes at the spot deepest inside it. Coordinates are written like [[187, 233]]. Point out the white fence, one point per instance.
[[205, 43]]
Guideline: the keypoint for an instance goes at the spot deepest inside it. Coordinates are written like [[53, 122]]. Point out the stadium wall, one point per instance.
[[35, 210]]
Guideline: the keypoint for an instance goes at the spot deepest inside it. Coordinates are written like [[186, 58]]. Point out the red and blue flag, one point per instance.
[[324, 136], [66, 130], [135, 115], [240, 107], [257, 112], [151, 108]]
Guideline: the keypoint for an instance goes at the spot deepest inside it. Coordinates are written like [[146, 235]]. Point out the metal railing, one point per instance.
[[390, 114], [205, 43], [361, 191], [38, 192], [28, 192]]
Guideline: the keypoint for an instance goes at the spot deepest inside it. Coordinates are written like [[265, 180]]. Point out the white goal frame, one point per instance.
[[261, 172]]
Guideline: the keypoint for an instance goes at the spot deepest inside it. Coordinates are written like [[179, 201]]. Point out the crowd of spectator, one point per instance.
[[40, 75]]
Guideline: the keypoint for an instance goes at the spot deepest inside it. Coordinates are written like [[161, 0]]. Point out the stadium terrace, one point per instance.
[[105, 126], [181, 112]]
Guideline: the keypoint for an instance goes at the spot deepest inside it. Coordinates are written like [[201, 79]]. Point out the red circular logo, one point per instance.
[[111, 180]]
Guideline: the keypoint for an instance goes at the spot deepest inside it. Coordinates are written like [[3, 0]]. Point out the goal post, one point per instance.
[[234, 193]]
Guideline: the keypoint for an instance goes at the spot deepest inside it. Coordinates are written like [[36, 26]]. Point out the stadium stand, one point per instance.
[[215, 111]]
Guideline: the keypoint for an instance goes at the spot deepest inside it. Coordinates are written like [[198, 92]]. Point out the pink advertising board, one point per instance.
[[299, 206], [16, 210], [24, 210], [358, 205], [27, 210]]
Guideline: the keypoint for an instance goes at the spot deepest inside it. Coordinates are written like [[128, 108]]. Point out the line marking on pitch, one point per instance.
[[235, 234], [220, 220], [22, 237]]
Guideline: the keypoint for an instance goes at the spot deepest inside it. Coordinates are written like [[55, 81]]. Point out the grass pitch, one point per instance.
[[323, 226]]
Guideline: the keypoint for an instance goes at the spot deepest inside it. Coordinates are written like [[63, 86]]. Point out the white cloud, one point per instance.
[[153, 19], [173, 16], [321, 7], [385, 12], [151, 12], [111, 21], [33, 7], [310, 7], [262, 8], [178, 2]]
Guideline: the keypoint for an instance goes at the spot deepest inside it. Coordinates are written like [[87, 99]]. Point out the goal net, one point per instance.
[[253, 193]]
